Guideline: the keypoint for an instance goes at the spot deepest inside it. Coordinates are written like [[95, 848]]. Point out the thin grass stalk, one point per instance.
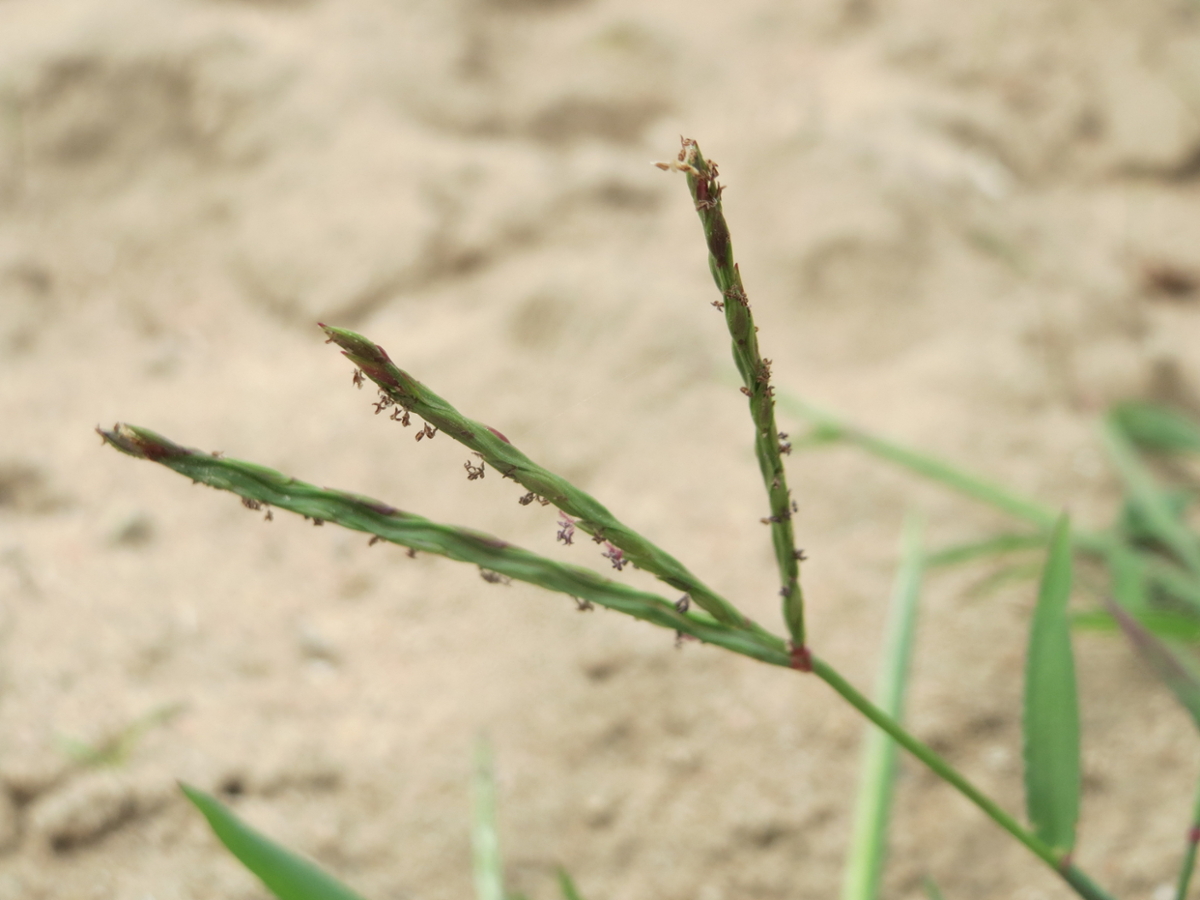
[[1189, 854], [1061, 864], [1161, 572], [487, 863], [833, 428], [868, 849], [756, 376], [409, 395], [260, 486]]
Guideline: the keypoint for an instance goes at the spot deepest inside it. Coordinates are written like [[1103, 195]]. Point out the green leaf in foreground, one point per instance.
[[1051, 727], [567, 886], [286, 875], [864, 866], [485, 840]]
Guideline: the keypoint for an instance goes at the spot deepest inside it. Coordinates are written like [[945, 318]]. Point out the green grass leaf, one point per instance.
[[1171, 666], [1155, 427], [286, 875], [485, 840], [1176, 626], [1000, 545], [868, 849], [1150, 504], [830, 428], [1051, 720], [567, 886]]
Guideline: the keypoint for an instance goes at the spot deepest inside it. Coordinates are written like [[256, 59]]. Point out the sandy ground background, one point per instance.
[[970, 225]]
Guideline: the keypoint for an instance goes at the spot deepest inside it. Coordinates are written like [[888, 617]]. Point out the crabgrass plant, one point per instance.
[[1051, 731]]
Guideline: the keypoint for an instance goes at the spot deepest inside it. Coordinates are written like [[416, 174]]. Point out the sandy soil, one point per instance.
[[953, 219]]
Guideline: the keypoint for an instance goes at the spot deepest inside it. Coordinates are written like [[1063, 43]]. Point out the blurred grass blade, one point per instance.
[[1175, 626], [1005, 575], [1170, 666], [115, 749], [286, 875], [865, 862], [1189, 853], [1051, 726], [829, 427], [932, 891], [999, 545], [567, 886], [1128, 579], [1178, 674], [1155, 427], [485, 840], [1151, 502]]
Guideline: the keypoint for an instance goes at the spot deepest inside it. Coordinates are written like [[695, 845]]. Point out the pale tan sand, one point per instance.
[[943, 212]]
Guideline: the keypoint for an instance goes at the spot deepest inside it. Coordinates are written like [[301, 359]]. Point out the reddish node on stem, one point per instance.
[[1194, 834], [1064, 864], [497, 434], [801, 659]]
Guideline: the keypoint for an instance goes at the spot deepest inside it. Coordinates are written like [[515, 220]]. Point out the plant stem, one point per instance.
[[756, 375], [1080, 882], [487, 862], [495, 449], [868, 848]]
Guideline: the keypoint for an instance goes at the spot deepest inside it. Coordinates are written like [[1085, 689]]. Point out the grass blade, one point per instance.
[[932, 891], [1051, 719], [286, 875], [567, 886], [1175, 626], [922, 463], [999, 545], [868, 849], [1172, 668], [485, 841], [755, 371], [1176, 673], [259, 486], [1150, 501], [1155, 427]]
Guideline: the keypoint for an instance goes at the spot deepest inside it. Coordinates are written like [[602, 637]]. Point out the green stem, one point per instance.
[[497, 451], [1189, 856], [1077, 879], [755, 372]]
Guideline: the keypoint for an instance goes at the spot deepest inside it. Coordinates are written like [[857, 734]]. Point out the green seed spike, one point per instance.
[[756, 377], [409, 394], [260, 486]]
